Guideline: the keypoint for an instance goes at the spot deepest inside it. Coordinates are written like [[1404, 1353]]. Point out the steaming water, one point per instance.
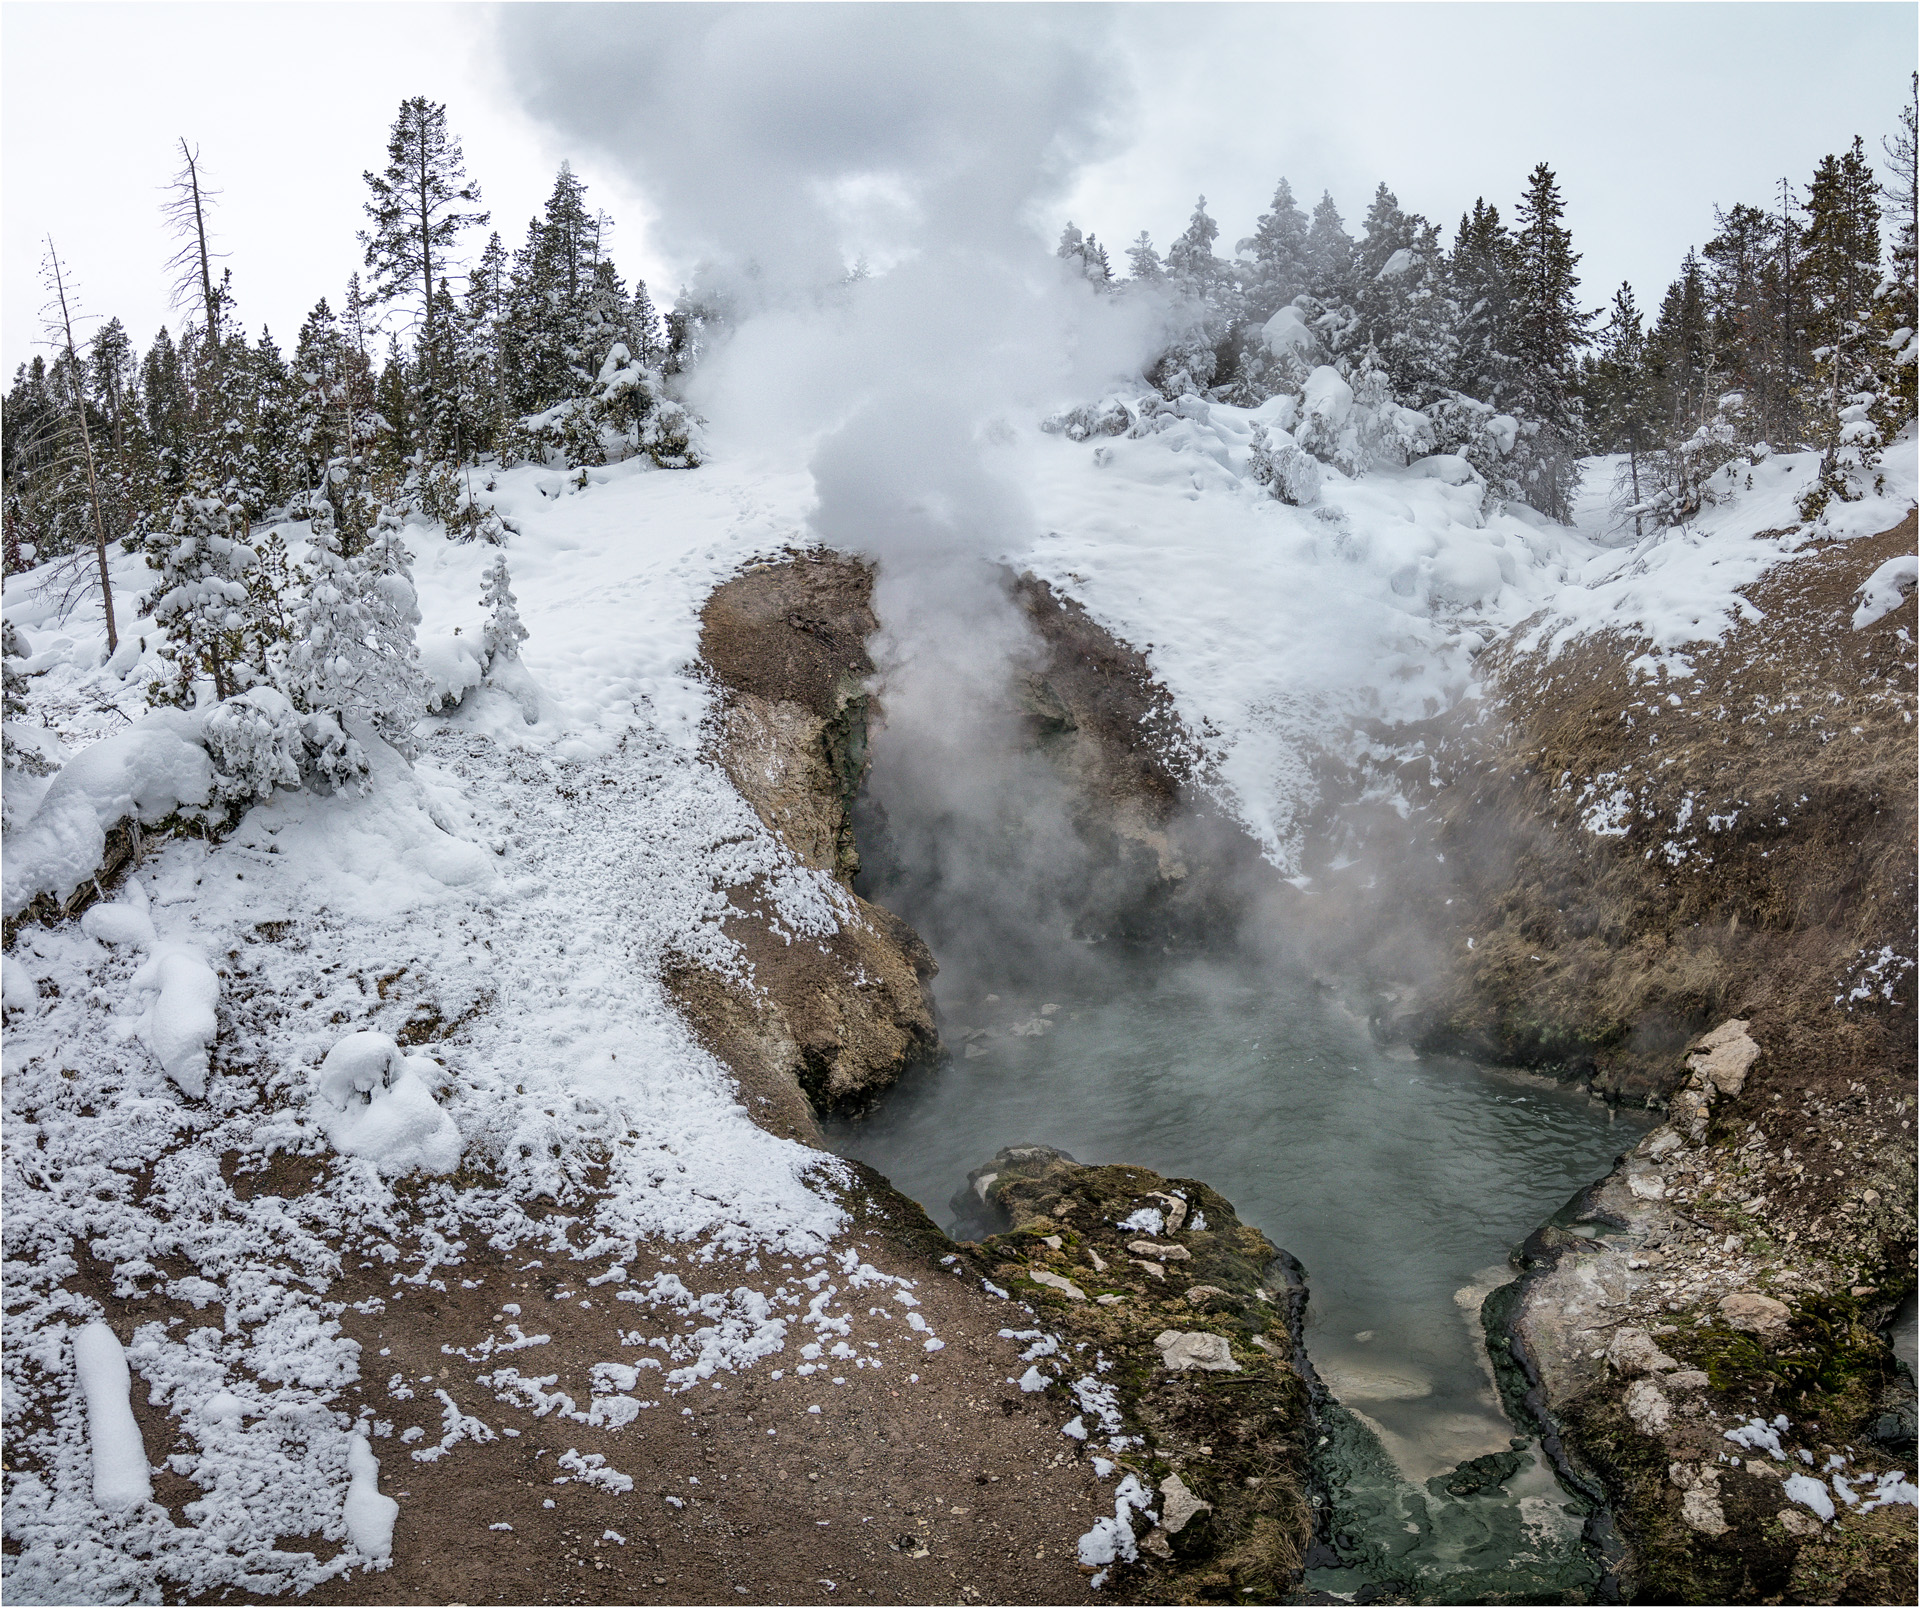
[[1401, 1184]]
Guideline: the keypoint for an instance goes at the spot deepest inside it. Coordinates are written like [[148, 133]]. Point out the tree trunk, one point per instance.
[[86, 443]]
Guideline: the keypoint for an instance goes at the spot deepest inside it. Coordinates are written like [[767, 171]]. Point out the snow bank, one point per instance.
[[1886, 589], [121, 1478], [376, 1103], [369, 1515], [147, 772], [453, 668], [182, 1021]]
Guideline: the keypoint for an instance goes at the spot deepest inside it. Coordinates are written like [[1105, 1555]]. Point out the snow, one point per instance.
[[120, 1476], [376, 1103], [145, 773], [1810, 1493], [181, 1022], [1758, 1435], [1111, 1539], [1886, 589], [368, 1515]]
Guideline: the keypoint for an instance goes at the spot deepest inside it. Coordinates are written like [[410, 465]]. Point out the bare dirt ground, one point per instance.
[[927, 1478]]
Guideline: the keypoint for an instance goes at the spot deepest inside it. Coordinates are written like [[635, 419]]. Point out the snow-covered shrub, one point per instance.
[[1109, 416], [334, 762], [373, 1101], [1326, 404], [152, 769], [453, 666], [1485, 437], [1278, 463], [18, 746], [256, 742]]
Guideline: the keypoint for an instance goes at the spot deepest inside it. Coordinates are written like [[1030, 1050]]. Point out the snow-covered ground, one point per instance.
[[563, 835]]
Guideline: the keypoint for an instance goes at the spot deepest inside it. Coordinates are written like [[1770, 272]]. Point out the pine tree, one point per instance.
[[1329, 265], [188, 211], [353, 653], [203, 558], [1143, 262], [60, 331], [1842, 275], [1549, 329], [501, 636], [1624, 409], [1480, 274], [419, 206], [1278, 246], [1899, 317]]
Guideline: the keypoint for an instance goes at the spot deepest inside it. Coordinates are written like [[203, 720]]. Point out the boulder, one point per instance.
[[1724, 1057], [1633, 1352], [1755, 1314], [1206, 1351]]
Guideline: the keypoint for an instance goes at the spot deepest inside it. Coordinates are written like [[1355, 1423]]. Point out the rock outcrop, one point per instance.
[[1208, 1385], [823, 1025]]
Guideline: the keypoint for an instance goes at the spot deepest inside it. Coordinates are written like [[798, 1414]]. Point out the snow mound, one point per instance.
[[181, 1022], [369, 1515], [377, 1103], [453, 668], [1886, 589], [146, 773], [125, 921], [121, 1478]]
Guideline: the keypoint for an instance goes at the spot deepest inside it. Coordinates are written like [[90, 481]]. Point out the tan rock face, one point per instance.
[[1755, 1314], [814, 1024]]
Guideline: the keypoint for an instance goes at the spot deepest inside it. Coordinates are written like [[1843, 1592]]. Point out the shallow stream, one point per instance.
[[1400, 1182]]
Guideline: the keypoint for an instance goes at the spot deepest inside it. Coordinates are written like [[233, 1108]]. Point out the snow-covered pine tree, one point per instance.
[[501, 636], [201, 599], [353, 652], [1278, 246], [1143, 262], [1329, 251], [1480, 274], [1845, 398], [1549, 330], [1898, 315], [1622, 410]]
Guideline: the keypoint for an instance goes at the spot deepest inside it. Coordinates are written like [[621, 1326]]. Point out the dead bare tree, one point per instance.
[[186, 210], [60, 334]]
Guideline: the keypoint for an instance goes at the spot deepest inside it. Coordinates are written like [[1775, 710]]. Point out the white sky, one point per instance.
[[1650, 113]]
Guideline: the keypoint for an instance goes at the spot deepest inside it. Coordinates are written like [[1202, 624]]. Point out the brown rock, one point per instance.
[[1755, 1314]]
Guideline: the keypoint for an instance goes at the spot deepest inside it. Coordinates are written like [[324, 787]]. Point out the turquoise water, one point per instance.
[[1400, 1182]]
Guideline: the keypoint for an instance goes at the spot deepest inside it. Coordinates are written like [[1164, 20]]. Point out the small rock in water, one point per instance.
[[1048, 1010], [1364, 1335]]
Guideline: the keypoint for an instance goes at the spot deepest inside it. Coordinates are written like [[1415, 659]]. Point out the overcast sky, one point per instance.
[[694, 126]]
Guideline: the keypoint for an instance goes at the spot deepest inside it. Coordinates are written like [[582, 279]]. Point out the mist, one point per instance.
[[784, 146]]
